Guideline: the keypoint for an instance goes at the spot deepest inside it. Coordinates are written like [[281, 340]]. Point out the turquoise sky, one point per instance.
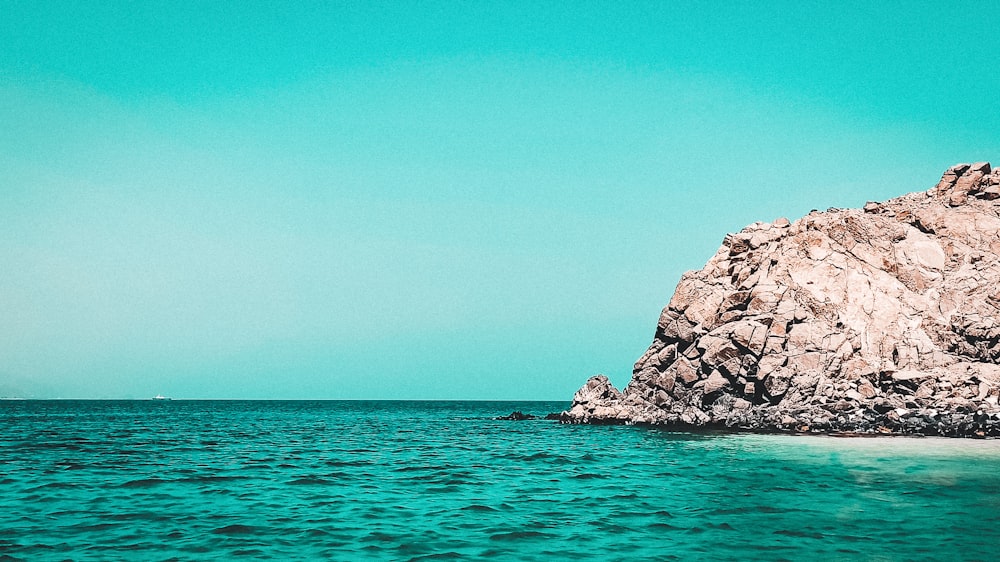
[[469, 200]]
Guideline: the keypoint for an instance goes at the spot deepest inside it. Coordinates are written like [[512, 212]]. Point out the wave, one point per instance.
[[311, 481], [236, 529], [144, 483]]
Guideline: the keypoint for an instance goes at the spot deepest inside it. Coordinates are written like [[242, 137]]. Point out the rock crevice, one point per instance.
[[881, 319]]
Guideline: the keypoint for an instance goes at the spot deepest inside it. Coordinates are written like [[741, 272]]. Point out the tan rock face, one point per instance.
[[857, 319]]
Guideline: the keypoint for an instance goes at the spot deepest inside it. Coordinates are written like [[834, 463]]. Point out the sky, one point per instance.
[[431, 200]]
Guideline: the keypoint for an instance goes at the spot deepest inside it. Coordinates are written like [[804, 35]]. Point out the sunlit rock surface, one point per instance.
[[884, 319]]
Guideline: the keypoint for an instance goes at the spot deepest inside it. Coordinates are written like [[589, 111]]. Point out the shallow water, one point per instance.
[[145, 480]]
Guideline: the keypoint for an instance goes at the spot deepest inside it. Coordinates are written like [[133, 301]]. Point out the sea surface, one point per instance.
[[349, 480]]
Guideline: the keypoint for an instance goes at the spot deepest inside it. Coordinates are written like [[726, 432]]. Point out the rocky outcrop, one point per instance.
[[517, 415], [884, 319]]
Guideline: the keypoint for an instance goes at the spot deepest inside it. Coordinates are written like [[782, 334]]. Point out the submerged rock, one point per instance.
[[884, 319], [517, 415]]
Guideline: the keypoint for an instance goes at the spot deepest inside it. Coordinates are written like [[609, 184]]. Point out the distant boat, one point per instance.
[[160, 397]]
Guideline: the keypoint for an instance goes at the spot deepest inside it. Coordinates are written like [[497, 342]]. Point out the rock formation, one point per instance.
[[884, 319]]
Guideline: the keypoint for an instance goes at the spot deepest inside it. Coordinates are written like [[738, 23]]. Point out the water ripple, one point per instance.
[[444, 480]]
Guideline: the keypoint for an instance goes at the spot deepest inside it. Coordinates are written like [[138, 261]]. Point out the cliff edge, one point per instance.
[[884, 319]]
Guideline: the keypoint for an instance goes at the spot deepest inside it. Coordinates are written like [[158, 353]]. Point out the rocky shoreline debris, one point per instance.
[[517, 415], [880, 320]]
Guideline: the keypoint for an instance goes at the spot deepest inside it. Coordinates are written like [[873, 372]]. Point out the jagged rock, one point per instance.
[[875, 320], [517, 415]]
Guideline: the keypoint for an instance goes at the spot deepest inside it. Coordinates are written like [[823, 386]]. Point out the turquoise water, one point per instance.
[[145, 480]]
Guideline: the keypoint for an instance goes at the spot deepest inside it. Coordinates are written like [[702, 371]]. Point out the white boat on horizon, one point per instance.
[[161, 397]]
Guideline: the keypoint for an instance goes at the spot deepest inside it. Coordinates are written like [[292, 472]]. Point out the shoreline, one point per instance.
[[988, 429]]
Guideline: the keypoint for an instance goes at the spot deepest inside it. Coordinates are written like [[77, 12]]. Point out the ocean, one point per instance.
[[388, 480]]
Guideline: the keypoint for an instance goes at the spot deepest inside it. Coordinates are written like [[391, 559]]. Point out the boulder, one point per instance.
[[517, 415]]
